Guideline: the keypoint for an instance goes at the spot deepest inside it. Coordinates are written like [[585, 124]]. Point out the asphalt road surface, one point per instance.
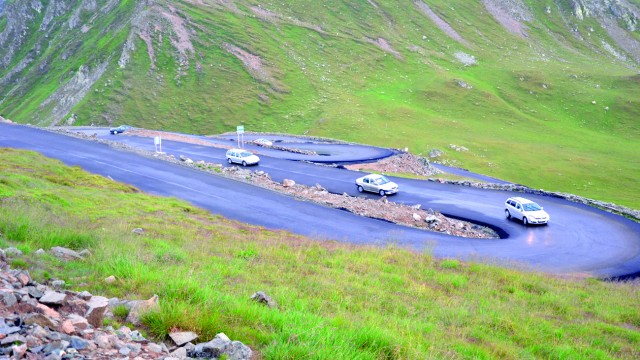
[[579, 239]]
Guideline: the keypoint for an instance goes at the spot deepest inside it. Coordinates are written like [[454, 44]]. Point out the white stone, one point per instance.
[[183, 337]]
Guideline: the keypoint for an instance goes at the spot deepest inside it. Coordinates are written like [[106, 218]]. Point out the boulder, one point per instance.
[[97, 307], [14, 338], [47, 311], [138, 307], [433, 153], [85, 253], [221, 346], [431, 219], [35, 292], [58, 284], [78, 322], [263, 298], [183, 337], [85, 295], [288, 183], [23, 277], [53, 298], [19, 351], [239, 351], [39, 319], [12, 252], [7, 298], [65, 254], [179, 353], [67, 327]]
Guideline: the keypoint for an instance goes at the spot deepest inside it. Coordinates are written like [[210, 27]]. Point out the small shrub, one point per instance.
[[121, 312], [450, 264], [25, 248], [247, 254], [19, 264]]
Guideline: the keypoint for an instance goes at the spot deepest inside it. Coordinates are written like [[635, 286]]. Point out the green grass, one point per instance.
[[334, 300], [529, 118]]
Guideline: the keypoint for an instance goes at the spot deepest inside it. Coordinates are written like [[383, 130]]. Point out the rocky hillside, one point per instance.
[[201, 65], [503, 78]]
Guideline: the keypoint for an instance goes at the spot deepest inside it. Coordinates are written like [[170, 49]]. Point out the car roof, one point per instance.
[[520, 200], [373, 176]]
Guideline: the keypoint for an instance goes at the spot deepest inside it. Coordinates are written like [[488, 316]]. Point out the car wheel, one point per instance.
[[229, 161], [525, 221], [507, 214], [382, 193], [360, 189], [244, 163]]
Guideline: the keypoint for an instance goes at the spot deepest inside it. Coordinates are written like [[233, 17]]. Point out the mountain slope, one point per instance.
[[508, 79]]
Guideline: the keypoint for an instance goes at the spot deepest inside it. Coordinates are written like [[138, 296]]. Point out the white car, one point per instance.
[[263, 142], [377, 184], [241, 156], [526, 210]]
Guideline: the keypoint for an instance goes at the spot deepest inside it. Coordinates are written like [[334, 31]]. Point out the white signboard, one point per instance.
[[157, 141], [240, 131]]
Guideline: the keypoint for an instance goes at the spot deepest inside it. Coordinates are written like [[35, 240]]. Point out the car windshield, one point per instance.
[[245, 154], [531, 207], [381, 180]]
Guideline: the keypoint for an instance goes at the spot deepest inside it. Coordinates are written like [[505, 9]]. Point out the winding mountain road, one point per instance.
[[579, 240]]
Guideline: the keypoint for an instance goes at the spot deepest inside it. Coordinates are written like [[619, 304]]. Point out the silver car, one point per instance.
[[241, 156], [526, 210], [377, 184]]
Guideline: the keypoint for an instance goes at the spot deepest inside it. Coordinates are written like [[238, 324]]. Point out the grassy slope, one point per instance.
[[63, 52], [335, 301], [529, 117]]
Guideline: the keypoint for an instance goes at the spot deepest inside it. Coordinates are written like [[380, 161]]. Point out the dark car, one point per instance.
[[119, 130]]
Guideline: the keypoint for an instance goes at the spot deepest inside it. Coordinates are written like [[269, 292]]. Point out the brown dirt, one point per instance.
[[403, 163]]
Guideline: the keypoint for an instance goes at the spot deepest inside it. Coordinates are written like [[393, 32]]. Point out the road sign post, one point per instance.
[[157, 141], [240, 132]]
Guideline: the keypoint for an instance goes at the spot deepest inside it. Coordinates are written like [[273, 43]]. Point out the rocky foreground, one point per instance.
[[44, 321]]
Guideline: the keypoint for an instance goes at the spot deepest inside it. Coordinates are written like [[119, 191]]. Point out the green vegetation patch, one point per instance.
[[334, 300]]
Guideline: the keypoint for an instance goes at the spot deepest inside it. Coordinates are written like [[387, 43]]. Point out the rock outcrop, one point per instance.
[[40, 322]]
